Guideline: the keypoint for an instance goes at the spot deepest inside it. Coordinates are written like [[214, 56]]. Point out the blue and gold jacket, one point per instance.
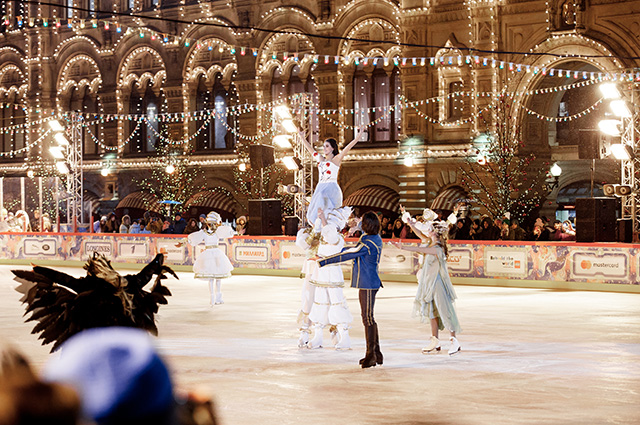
[[366, 255]]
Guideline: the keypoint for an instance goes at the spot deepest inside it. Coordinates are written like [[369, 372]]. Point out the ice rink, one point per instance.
[[529, 356]]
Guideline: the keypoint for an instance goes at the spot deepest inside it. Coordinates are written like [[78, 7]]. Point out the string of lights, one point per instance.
[[106, 24]]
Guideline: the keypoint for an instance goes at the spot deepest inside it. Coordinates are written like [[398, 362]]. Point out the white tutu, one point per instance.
[[327, 196]]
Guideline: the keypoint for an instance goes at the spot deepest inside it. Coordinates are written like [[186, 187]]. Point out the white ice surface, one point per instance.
[[529, 356]]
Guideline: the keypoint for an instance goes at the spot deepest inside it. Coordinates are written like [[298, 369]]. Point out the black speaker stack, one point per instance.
[[265, 217], [596, 220], [261, 156]]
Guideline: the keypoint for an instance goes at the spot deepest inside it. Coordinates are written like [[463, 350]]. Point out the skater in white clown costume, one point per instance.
[[330, 307], [307, 239], [212, 264]]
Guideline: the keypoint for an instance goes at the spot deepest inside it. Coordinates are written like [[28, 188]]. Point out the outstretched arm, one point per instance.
[[411, 222], [420, 249], [307, 145], [338, 158]]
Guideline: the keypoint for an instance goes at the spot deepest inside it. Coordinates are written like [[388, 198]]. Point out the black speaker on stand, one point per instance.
[[265, 217], [261, 156], [596, 219]]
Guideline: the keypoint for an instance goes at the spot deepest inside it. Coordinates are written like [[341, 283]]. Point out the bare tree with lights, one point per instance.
[[497, 175]]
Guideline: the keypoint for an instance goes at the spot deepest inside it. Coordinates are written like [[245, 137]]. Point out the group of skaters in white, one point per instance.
[[324, 305]]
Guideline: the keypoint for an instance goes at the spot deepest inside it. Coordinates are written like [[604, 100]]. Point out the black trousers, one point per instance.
[[367, 301]]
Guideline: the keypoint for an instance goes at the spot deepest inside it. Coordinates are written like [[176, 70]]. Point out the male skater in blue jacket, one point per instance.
[[366, 255]]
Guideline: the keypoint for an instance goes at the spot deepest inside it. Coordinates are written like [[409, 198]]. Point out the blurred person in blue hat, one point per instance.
[[122, 380]]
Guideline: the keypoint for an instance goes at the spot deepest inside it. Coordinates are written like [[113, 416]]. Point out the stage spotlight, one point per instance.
[[62, 167], [292, 163]]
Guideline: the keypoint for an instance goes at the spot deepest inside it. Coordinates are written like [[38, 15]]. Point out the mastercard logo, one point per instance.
[[585, 264], [286, 254]]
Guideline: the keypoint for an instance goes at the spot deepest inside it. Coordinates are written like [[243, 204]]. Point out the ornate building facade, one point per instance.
[[204, 76]]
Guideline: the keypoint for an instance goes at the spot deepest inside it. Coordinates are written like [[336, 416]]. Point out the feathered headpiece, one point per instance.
[[64, 305]]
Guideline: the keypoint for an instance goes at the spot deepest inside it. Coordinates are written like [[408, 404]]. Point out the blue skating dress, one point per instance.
[[327, 194]]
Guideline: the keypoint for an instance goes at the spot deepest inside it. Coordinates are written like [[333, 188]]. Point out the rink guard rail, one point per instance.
[[552, 265]]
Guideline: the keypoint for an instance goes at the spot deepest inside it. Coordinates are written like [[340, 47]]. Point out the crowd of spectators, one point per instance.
[[466, 228]]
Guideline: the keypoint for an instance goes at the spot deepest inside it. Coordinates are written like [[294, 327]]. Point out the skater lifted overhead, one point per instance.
[[327, 194]]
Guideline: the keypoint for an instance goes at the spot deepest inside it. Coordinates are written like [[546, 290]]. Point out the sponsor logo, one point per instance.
[[104, 248], [47, 246], [173, 251], [608, 265], [459, 260], [512, 262], [251, 254]]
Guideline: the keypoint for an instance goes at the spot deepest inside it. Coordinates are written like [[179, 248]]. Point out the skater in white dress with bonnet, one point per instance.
[[212, 264]]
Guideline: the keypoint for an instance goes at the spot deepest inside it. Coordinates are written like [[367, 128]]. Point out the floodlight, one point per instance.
[[408, 161], [623, 152], [170, 169], [242, 166], [289, 126], [282, 111], [292, 163], [610, 127], [62, 167], [56, 152], [104, 172], [609, 91], [620, 108], [55, 125], [61, 139], [282, 141]]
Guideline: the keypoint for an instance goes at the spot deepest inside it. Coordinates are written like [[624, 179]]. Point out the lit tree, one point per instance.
[[261, 184], [498, 176], [173, 176]]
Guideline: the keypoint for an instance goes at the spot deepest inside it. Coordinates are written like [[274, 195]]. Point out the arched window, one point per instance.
[[278, 87], [216, 133], [92, 128], [147, 106], [455, 104], [12, 114], [374, 95]]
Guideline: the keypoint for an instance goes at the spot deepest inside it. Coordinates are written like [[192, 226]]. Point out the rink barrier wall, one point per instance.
[[550, 265]]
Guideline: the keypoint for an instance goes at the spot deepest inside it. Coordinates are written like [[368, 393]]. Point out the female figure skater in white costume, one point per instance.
[[212, 264], [327, 194]]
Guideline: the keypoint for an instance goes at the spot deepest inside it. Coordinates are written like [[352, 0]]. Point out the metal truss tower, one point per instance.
[[75, 176], [631, 166], [302, 109]]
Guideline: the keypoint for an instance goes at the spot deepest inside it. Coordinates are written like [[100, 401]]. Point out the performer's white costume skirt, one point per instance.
[[212, 263]]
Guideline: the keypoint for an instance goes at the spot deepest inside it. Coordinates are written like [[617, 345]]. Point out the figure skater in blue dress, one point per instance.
[[327, 194]]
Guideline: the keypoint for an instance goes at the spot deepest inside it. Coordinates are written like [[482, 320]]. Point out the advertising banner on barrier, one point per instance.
[[607, 265], [133, 249], [530, 261], [174, 249], [291, 255], [460, 260], [503, 261], [251, 253], [36, 247], [100, 246]]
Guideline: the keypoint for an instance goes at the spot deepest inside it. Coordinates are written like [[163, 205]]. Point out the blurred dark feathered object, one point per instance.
[[63, 305]]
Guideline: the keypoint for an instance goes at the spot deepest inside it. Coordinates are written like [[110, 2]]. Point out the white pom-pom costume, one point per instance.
[[330, 306]]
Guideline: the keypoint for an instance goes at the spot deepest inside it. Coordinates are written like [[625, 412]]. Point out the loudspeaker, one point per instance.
[[265, 217], [625, 230], [596, 219], [291, 225], [589, 145], [261, 156]]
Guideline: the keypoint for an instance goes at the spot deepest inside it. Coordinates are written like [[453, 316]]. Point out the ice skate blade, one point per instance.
[[453, 353], [432, 350]]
